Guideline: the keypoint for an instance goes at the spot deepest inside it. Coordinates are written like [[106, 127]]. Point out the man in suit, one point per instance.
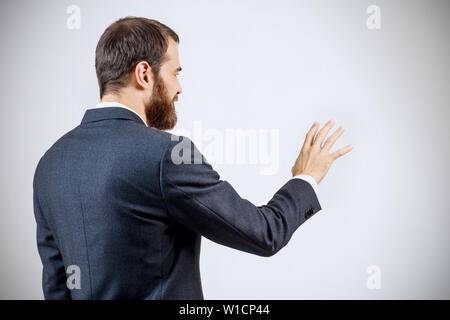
[[121, 205]]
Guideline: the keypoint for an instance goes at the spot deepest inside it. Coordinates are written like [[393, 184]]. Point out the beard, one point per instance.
[[160, 111]]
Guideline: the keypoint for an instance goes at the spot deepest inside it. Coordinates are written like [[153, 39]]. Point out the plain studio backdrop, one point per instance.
[[269, 66]]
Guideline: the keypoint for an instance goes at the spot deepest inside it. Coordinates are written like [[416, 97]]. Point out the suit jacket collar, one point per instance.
[[105, 113]]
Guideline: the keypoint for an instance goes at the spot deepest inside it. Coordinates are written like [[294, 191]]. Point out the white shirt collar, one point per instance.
[[119, 105]]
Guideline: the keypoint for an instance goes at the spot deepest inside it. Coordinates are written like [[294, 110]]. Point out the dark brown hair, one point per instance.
[[124, 44]]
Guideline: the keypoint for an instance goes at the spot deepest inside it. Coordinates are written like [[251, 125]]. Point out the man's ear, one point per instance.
[[143, 74]]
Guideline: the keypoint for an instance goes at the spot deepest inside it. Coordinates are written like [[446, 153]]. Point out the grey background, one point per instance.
[[270, 65]]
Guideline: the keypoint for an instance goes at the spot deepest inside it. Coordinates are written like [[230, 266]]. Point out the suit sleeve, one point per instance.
[[198, 199], [53, 272]]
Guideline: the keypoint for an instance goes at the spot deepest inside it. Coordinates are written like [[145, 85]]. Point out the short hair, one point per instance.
[[124, 44]]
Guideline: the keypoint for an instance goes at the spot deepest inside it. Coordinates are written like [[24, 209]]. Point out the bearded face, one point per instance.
[[160, 110]]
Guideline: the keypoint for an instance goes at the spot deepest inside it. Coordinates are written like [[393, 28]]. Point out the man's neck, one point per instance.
[[129, 101]]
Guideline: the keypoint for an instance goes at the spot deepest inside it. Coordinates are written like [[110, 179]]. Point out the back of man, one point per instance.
[[98, 192]]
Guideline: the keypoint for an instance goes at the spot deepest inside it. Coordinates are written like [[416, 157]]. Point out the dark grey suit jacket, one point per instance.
[[109, 199]]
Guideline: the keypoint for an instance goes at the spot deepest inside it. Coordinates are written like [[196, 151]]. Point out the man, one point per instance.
[[121, 205]]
